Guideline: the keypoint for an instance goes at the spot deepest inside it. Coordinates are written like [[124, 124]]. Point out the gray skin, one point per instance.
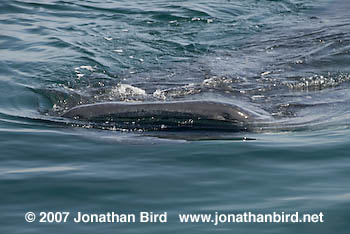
[[199, 110]]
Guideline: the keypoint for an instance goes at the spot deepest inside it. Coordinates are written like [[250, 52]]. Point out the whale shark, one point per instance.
[[176, 115]]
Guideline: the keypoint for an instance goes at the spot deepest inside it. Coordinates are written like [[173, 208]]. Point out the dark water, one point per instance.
[[287, 59]]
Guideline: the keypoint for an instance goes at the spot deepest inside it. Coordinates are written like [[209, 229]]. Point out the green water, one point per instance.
[[286, 59]]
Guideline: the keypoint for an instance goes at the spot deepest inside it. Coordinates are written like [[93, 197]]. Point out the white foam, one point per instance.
[[129, 90], [108, 38], [89, 68], [159, 94]]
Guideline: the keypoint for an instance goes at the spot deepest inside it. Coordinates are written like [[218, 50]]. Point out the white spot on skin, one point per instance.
[[243, 115]]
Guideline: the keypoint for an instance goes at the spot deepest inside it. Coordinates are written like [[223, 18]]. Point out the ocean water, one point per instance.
[[286, 59]]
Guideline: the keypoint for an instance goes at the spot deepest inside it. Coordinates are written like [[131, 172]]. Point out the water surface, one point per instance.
[[288, 59]]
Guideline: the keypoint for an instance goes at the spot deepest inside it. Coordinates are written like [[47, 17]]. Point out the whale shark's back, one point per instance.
[[184, 115]]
